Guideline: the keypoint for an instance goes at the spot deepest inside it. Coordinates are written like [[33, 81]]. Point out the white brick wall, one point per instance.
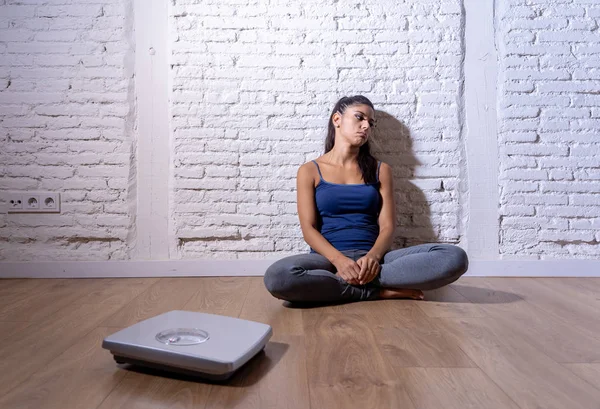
[[253, 87], [65, 126], [548, 128]]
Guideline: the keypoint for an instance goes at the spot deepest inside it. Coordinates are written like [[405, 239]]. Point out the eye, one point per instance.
[[362, 118]]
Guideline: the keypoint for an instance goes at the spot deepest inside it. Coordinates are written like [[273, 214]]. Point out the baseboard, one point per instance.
[[109, 269], [208, 268]]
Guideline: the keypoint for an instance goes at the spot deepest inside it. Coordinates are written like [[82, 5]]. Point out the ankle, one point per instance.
[[393, 293]]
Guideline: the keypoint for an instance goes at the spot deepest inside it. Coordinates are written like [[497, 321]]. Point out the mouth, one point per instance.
[[362, 135]]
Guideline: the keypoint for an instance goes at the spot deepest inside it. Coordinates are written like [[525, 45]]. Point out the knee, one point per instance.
[[277, 278], [455, 264], [272, 278], [458, 261]]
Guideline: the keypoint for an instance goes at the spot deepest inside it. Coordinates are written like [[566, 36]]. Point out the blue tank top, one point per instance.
[[348, 213]]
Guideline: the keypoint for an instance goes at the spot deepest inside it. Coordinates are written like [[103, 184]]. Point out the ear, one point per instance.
[[336, 119]]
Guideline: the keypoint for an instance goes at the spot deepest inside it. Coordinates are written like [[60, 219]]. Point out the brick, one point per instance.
[[18, 183], [16, 35], [569, 86], [558, 235], [206, 183], [309, 24], [67, 109], [518, 162], [519, 11], [558, 125], [546, 199], [585, 150], [102, 171], [522, 74], [521, 61], [520, 36], [81, 208], [102, 196], [222, 233], [540, 23], [589, 74], [57, 36], [92, 146], [526, 136], [73, 183], [586, 100], [233, 22], [115, 208], [567, 211], [565, 113], [70, 134], [539, 50], [517, 210], [102, 220], [569, 187], [69, 10], [584, 224], [541, 101], [585, 200], [587, 174], [18, 11], [258, 244], [567, 37], [232, 196], [535, 150], [561, 175], [534, 222], [205, 207]]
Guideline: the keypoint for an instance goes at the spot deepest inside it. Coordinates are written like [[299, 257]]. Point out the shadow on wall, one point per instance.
[[392, 144]]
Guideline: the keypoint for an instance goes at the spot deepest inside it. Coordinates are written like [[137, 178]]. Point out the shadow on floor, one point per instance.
[[481, 295], [453, 293], [249, 374]]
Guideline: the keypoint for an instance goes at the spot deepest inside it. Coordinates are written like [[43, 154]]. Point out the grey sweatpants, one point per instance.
[[311, 277]]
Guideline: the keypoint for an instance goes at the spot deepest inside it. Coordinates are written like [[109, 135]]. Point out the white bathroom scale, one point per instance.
[[192, 343]]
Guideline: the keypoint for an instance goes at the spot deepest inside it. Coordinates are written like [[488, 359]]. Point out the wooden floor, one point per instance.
[[479, 343]]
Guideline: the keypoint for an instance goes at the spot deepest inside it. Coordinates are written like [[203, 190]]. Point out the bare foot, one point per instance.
[[389, 293]]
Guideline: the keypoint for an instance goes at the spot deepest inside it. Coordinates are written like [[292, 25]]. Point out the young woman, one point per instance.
[[347, 216]]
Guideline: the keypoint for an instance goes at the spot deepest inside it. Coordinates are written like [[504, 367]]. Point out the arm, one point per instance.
[[307, 214], [387, 216]]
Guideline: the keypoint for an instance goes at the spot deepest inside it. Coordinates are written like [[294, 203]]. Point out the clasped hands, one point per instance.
[[359, 272]]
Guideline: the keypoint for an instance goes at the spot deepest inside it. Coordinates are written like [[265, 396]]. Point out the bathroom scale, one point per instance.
[[203, 345]]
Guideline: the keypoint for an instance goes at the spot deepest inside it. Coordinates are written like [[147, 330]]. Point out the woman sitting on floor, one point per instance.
[[347, 216]]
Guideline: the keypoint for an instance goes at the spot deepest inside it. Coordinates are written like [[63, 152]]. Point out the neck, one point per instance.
[[343, 155]]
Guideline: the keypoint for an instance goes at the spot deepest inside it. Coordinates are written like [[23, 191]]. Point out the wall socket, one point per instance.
[[33, 202]]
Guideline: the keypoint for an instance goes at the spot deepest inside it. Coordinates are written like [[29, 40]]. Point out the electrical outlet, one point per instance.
[[15, 202], [50, 202], [33, 202]]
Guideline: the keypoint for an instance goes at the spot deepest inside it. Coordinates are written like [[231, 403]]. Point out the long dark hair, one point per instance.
[[366, 161]]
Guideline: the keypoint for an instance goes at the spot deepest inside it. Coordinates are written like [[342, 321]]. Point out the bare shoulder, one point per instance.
[[307, 169], [307, 172], [385, 173], [384, 167]]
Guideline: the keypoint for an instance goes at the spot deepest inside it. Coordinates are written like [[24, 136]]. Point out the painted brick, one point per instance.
[[252, 88]]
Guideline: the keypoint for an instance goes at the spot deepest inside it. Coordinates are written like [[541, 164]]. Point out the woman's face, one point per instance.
[[356, 124]]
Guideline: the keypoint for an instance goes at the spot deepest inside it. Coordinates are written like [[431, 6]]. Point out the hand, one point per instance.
[[369, 268], [347, 268]]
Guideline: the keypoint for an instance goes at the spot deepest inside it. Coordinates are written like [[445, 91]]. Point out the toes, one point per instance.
[[418, 295]]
